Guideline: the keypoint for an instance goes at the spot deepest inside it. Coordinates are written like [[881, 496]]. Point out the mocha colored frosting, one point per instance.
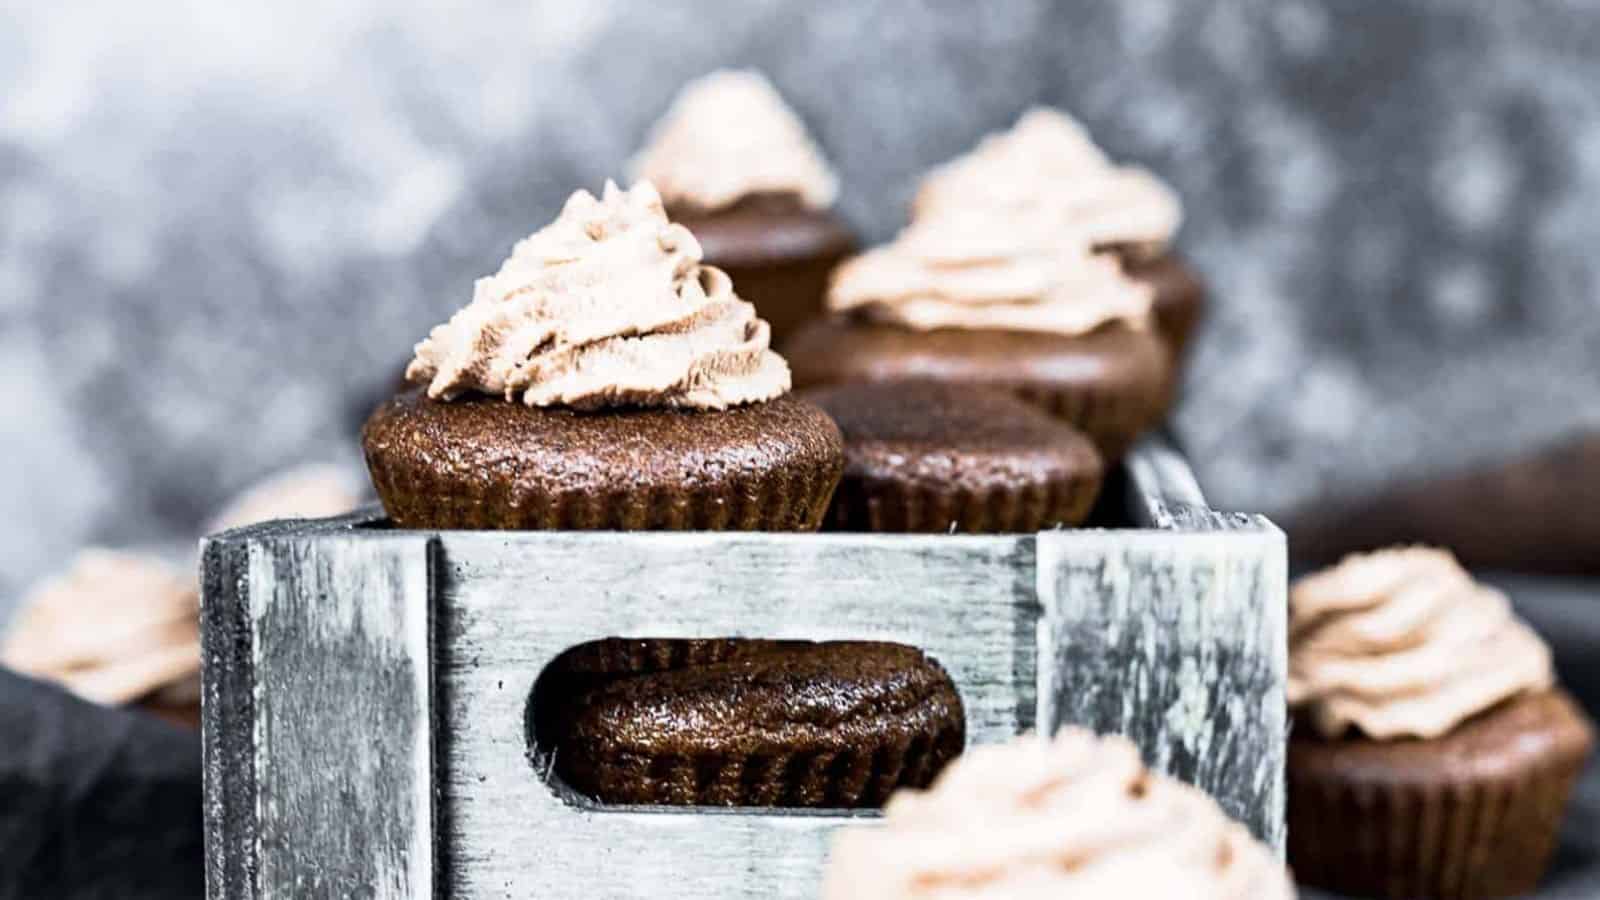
[[115, 628], [1009, 236], [1079, 816], [729, 136], [1402, 643], [1047, 168], [311, 491], [119, 627], [988, 270], [608, 305]]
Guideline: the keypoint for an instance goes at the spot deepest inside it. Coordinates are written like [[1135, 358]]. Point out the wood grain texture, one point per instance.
[[1188, 615], [510, 604], [1178, 640], [342, 727]]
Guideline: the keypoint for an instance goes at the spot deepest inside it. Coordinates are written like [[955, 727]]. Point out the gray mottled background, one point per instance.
[[222, 226]]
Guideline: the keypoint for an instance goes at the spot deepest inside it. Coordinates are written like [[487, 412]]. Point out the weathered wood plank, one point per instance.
[[1178, 640], [343, 720], [509, 605]]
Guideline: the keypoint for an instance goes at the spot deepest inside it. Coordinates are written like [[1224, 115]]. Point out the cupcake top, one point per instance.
[[1078, 816], [606, 306], [1011, 237], [114, 628], [985, 269], [1402, 643], [729, 136], [1047, 167]]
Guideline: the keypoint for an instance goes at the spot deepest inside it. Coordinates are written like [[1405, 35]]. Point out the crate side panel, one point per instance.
[[343, 722], [1179, 641], [508, 605]]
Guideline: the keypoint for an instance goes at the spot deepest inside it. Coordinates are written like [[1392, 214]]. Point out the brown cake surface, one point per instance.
[[1178, 298], [483, 462], [1112, 383], [638, 656], [932, 457], [778, 253], [796, 725], [1472, 814]]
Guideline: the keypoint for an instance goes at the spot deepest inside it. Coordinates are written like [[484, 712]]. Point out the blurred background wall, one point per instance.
[[222, 227]]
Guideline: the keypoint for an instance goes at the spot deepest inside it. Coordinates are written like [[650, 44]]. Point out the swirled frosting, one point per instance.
[[1078, 816], [606, 306], [1403, 643], [1047, 168], [985, 270], [728, 136], [114, 628]]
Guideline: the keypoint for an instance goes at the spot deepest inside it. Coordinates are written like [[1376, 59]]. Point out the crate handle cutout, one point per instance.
[[620, 724]]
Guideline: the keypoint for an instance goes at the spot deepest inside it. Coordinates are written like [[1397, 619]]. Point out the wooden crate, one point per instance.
[[366, 689]]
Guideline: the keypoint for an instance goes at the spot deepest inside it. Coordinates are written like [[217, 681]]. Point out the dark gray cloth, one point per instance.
[[95, 802]]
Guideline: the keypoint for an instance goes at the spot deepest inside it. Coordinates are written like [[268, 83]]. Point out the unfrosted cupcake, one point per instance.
[[604, 378], [116, 628], [929, 457], [1433, 754], [747, 722], [1004, 296], [1079, 816], [735, 165]]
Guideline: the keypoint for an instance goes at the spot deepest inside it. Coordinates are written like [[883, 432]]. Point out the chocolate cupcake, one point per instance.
[[735, 166], [603, 379], [1108, 384], [751, 723], [1001, 294], [1079, 816], [934, 457], [1433, 754]]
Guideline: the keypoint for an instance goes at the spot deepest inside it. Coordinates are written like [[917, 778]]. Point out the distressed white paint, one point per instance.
[[342, 735], [1179, 640]]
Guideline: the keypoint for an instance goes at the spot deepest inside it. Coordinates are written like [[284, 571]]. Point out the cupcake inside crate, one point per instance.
[[377, 716]]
